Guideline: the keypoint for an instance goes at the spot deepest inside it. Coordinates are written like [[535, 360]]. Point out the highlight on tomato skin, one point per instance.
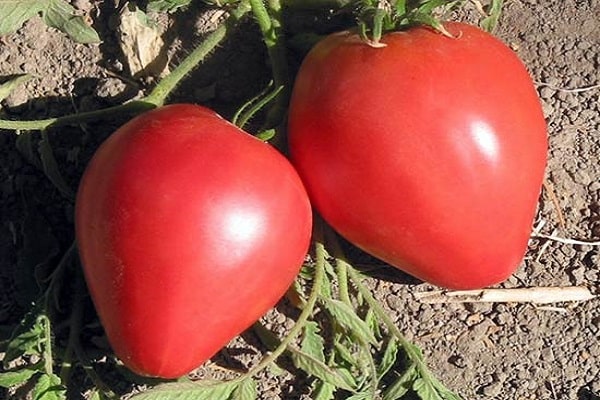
[[428, 153], [189, 230]]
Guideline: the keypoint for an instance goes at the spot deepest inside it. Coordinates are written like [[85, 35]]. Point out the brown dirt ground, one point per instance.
[[500, 351]]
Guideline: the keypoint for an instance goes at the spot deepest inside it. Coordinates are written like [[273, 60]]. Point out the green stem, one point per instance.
[[162, 90], [304, 315], [133, 107], [156, 97], [408, 347], [48, 361], [269, 21]]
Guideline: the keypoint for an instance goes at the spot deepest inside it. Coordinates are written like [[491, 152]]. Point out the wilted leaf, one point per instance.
[[141, 43], [7, 87]]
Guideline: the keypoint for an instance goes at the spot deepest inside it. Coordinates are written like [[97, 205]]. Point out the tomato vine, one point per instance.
[[364, 337]]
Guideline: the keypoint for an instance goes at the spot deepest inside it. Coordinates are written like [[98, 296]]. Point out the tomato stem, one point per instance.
[[269, 20], [410, 350], [162, 90], [133, 107], [156, 97]]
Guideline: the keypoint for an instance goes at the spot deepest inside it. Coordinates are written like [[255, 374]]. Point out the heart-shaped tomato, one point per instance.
[[189, 230], [428, 153]]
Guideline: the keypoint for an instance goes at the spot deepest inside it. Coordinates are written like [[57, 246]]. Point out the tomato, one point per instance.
[[189, 230], [428, 153]]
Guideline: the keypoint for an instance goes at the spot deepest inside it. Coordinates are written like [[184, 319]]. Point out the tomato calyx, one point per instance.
[[377, 17]]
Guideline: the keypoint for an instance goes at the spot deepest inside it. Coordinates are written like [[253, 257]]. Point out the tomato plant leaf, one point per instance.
[[26, 338], [491, 20], [167, 5], [189, 391], [347, 318], [317, 368], [323, 391], [7, 87], [16, 378], [13, 13], [425, 389], [246, 390], [60, 14], [312, 342], [402, 385], [57, 14], [389, 357], [49, 387]]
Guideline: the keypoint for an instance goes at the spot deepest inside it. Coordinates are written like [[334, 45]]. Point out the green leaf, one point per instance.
[[50, 167], [49, 387], [167, 5], [7, 87], [26, 339], [389, 357], [60, 14], [189, 391], [425, 390], [13, 13], [312, 342], [402, 385], [323, 391], [494, 11], [246, 390], [347, 318], [57, 14], [16, 378], [319, 369]]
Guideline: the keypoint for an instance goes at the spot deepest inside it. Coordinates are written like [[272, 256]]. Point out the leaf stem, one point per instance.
[[411, 351], [75, 328], [133, 107], [156, 97], [162, 90], [270, 23]]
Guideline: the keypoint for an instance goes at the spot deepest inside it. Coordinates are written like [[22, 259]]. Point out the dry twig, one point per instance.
[[536, 295]]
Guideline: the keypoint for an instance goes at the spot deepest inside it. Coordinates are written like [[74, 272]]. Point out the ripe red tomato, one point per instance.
[[428, 153], [189, 230]]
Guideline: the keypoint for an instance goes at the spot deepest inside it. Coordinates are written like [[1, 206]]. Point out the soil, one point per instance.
[[511, 351]]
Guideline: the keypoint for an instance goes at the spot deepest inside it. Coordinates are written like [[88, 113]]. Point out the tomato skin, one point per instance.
[[189, 230], [428, 153]]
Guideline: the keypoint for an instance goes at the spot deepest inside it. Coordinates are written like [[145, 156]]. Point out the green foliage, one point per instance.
[[167, 5], [493, 15], [57, 14], [33, 338], [7, 87]]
